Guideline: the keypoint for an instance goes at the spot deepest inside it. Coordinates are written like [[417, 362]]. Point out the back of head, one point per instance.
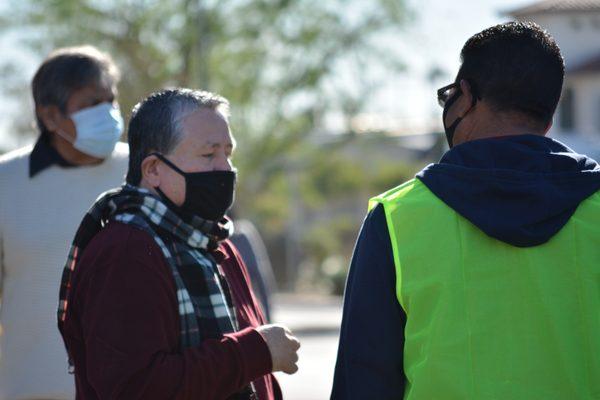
[[517, 68], [157, 123], [69, 69]]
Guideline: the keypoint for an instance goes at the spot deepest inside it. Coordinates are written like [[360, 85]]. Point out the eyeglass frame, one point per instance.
[[441, 91]]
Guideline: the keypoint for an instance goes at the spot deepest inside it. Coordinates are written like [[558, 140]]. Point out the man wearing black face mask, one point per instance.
[[155, 302], [479, 278]]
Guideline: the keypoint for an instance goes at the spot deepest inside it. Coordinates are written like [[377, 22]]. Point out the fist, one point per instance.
[[283, 347]]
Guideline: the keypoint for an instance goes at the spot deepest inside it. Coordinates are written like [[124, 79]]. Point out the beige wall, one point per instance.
[[577, 34]]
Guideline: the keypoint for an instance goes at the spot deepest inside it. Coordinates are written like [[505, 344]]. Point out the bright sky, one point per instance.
[[434, 38]]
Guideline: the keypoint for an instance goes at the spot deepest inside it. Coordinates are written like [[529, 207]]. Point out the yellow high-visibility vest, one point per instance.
[[488, 320]]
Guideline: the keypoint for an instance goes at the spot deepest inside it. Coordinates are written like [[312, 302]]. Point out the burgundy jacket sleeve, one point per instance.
[[124, 302], [247, 308]]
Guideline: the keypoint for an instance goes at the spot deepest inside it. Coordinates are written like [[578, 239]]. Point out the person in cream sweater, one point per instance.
[[45, 189]]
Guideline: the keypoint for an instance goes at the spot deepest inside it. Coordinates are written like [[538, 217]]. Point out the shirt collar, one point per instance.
[[44, 155]]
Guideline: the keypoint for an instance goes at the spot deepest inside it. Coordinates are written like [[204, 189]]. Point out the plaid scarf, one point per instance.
[[205, 304]]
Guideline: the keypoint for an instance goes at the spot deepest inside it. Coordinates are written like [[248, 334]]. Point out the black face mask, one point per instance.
[[207, 194], [449, 130]]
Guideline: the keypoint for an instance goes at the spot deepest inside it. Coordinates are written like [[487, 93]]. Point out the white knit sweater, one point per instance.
[[38, 220]]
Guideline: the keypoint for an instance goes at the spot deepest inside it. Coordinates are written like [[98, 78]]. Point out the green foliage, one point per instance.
[[260, 54], [282, 64], [336, 190]]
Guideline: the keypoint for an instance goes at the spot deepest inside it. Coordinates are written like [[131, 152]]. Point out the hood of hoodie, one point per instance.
[[518, 189]]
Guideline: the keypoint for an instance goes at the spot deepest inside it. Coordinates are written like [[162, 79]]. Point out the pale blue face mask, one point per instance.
[[98, 129]]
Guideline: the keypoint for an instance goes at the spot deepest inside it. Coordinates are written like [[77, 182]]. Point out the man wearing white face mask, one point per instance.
[[44, 191]]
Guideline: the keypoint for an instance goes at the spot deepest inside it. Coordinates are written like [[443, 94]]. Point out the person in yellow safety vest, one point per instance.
[[480, 279]]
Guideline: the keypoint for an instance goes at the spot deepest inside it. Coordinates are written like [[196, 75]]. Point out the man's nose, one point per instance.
[[222, 163]]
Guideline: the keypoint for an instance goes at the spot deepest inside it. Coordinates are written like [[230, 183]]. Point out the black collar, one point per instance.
[[44, 155]]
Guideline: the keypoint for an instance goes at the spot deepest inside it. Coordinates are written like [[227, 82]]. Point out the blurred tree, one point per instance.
[[271, 58], [282, 64]]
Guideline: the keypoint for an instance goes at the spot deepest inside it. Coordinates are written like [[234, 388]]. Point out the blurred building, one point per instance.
[[575, 25]]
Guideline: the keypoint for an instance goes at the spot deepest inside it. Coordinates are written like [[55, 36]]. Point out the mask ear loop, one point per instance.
[[473, 102], [162, 194], [176, 169], [169, 163], [452, 128], [63, 135], [474, 97]]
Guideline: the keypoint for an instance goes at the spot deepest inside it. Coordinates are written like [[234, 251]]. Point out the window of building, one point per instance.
[[567, 110]]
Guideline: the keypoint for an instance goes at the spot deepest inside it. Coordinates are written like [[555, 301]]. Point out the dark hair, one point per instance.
[[156, 123], [67, 70], [515, 67]]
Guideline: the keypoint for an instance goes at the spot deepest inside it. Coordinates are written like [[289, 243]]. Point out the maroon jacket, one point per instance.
[[123, 327]]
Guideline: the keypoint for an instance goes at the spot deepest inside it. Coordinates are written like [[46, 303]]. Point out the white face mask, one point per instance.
[[98, 129]]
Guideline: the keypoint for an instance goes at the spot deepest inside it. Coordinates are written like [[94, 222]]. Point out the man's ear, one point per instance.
[[50, 116], [150, 170], [466, 98]]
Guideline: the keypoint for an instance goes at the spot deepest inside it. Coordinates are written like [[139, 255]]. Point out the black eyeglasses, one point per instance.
[[444, 93]]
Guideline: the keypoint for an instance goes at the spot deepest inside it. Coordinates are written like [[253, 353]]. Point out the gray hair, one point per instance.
[[69, 69], [156, 123]]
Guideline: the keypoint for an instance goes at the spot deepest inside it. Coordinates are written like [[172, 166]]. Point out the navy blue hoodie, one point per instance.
[[518, 189]]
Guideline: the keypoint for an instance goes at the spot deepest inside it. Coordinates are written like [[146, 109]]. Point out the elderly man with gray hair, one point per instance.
[[44, 190], [155, 302]]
